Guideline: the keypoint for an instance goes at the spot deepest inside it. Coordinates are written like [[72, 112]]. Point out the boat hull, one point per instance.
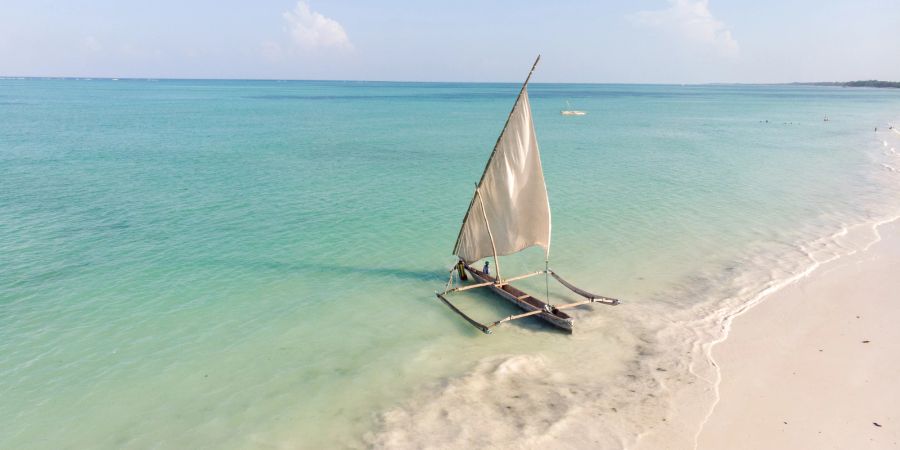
[[528, 303]]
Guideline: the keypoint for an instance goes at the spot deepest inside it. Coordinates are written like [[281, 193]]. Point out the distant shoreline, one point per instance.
[[859, 83]]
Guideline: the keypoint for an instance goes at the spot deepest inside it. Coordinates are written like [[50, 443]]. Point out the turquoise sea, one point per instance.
[[252, 264]]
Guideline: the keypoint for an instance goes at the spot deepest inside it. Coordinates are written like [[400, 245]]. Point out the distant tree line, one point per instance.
[[859, 83]]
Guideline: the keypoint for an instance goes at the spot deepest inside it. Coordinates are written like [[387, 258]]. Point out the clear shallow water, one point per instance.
[[246, 264]]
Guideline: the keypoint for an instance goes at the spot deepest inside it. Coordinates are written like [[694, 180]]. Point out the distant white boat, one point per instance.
[[571, 112]]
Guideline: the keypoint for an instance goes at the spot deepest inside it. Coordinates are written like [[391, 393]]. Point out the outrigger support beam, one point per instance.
[[493, 283], [585, 294], [475, 323], [538, 311]]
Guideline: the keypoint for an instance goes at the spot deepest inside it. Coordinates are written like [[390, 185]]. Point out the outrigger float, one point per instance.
[[509, 212]]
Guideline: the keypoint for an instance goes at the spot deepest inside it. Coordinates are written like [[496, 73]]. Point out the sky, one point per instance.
[[640, 41]]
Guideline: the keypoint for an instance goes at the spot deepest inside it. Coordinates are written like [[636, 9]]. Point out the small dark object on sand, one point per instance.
[[876, 424], [866, 342]]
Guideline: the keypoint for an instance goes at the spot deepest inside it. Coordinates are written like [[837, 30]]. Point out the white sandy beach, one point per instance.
[[817, 364]]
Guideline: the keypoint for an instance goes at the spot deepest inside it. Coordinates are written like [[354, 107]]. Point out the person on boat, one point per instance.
[[487, 268]]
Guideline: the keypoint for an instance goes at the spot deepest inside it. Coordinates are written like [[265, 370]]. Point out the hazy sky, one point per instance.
[[675, 41]]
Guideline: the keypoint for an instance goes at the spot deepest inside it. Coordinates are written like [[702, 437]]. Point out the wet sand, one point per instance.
[[816, 365]]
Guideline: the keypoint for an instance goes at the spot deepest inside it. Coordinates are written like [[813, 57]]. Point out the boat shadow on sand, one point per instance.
[[385, 272], [485, 304], [429, 276]]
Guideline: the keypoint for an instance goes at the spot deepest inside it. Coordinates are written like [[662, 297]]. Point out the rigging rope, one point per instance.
[[450, 281]]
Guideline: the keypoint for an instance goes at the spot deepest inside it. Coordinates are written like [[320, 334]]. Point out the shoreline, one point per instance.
[[788, 378], [691, 419], [659, 402]]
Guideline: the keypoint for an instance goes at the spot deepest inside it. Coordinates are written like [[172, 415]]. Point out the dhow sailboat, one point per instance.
[[508, 213]]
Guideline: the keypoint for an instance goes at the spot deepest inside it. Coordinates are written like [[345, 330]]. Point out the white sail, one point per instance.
[[510, 210]]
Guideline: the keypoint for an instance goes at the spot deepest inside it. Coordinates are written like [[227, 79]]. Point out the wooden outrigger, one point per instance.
[[509, 212], [549, 313]]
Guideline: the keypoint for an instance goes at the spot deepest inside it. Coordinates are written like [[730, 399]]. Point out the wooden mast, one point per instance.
[[487, 224], [491, 158]]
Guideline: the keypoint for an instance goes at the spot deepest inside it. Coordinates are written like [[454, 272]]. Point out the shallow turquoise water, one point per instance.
[[251, 263]]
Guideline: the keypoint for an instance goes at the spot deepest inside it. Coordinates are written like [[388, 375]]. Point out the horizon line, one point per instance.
[[133, 78]]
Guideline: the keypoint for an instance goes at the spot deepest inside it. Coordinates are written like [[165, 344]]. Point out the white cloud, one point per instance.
[[310, 29], [692, 20]]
